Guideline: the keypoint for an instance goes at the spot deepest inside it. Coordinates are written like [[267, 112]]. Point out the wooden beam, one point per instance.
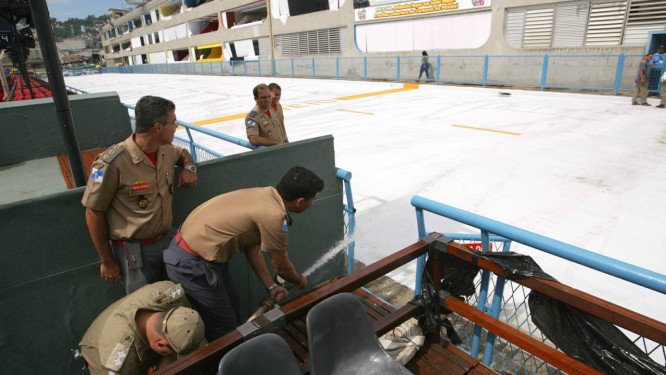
[[208, 357], [618, 315], [533, 346]]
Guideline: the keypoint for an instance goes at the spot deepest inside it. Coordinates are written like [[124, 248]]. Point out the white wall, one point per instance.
[[462, 31], [157, 58]]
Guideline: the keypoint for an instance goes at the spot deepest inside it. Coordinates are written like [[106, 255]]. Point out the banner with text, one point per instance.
[[417, 8]]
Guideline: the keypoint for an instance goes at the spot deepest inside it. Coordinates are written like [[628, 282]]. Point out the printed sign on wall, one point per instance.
[[416, 8]]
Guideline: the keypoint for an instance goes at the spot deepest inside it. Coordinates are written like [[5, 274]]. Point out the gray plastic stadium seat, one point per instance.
[[341, 340], [264, 354]]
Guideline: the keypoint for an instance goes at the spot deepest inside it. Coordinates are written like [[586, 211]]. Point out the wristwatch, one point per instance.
[[191, 167]]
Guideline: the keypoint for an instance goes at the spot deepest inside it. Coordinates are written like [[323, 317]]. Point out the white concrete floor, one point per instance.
[[588, 170]]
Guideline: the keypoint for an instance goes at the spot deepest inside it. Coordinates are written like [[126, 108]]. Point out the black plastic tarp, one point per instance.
[[583, 336]]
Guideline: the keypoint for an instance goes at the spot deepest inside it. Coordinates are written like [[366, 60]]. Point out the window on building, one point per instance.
[[606, 23], [584, 23], [313, 42], [644, 16]]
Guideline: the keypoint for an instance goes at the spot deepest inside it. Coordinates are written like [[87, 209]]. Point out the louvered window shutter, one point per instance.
[[514, 27], [570, 24], [644, 16], [606, 23], [538, 27]]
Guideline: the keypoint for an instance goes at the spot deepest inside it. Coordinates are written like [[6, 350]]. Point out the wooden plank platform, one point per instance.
[[432, 358]]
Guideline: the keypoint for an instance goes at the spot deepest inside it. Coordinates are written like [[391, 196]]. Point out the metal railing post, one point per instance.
[[365, 68], [485, 70], [483, 297], [498, 295], [618, 74], [337, 67], [544, 72], [292, 67], [193, 150], [420, 261], [259, 68], [346, 176], [314, 73], [437, 71], [397, 68]]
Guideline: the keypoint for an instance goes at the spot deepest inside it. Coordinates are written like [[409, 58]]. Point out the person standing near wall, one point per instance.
[[261, 124], [276, 94], [252, 221], [656, 68], [641, 82], [129, 195], [425, 65]]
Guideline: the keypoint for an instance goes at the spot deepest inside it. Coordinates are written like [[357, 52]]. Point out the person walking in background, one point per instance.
[[129, 194], [425, 66], [276, 94], [641, 82]]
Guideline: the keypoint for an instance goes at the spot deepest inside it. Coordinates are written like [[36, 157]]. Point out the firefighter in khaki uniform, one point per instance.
[[276, 94], [129, 194], [250, 221], [144, 330], [262, 123]]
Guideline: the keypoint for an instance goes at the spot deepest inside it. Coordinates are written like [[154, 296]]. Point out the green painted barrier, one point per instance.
[[50, 289], [36, 134]]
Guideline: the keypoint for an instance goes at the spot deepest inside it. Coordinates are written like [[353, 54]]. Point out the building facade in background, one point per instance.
[[172, 31]]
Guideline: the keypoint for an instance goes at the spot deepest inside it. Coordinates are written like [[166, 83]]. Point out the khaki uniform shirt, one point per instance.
[[135, 195], [258, 123], [113, 344], [280, 118], [228, 223]]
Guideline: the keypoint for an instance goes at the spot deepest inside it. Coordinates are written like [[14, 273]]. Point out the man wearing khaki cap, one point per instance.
[[146, 329]]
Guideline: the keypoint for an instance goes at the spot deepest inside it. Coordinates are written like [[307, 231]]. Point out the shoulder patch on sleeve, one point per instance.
[[170, 295], [285, 226], [119, 353], [250, 123], [253, 113], [110, 153]]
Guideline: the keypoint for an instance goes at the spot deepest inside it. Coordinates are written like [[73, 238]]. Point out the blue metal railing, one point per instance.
[[613, 72], [517, 315], [350, 210], [622, 270]]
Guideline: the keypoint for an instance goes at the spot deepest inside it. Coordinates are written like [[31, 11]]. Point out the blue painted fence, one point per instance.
[[614, 73]]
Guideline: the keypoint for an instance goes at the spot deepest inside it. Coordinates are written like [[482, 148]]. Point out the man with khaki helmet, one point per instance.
[[143, 331]]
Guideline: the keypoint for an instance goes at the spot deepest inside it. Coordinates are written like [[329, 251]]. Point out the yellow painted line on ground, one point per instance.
[[220, 119], [405, 87], [485, 129], [349, 110]]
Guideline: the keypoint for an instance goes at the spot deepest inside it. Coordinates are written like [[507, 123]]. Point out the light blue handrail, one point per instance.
[[212, 133], [637, 275], [346, 176]]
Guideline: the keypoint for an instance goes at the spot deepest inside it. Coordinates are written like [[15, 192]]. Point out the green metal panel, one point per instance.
[[36, 132], [50, 290]]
